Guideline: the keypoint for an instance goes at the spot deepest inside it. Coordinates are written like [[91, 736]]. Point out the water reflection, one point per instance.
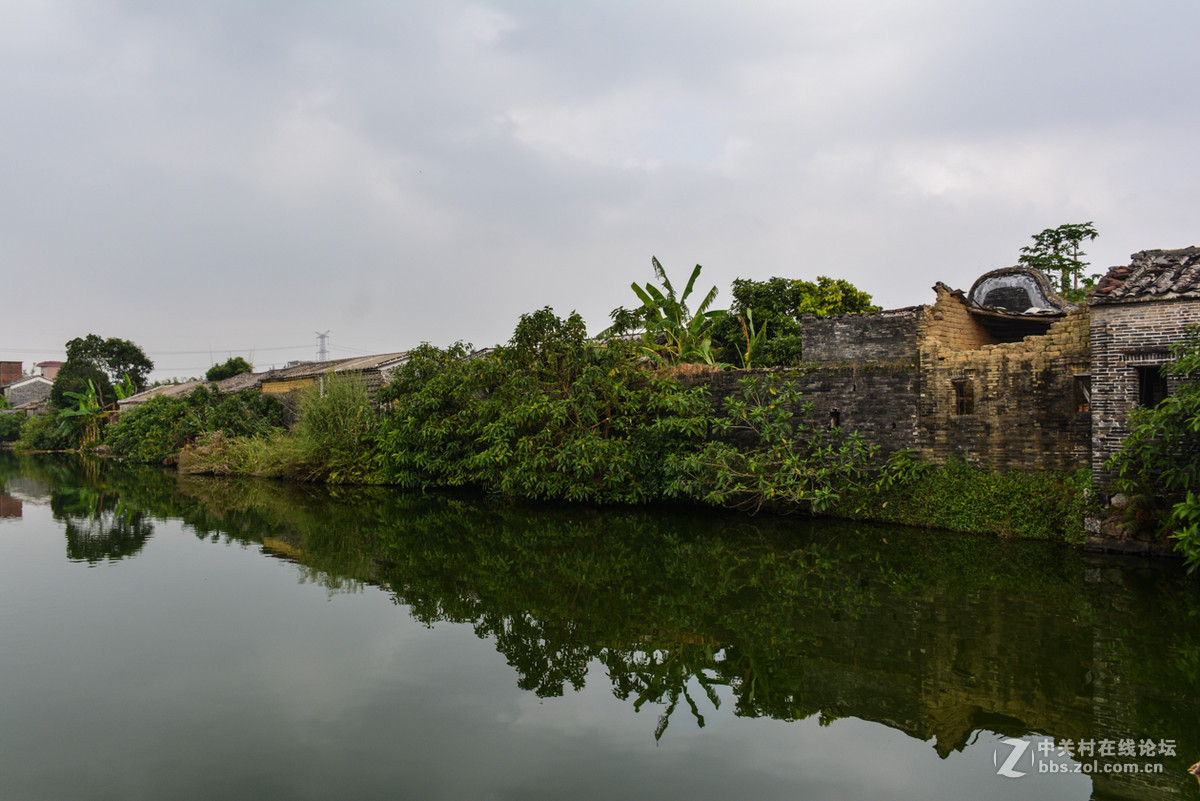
[[939, 637]]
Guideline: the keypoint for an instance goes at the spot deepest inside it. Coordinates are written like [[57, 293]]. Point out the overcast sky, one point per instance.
[[227, 178]]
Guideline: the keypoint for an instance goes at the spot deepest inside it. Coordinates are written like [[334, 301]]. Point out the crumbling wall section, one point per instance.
[[951, 326], [1004, 405]]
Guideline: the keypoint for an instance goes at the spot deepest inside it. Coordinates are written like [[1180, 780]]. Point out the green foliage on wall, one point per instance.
[[1043, 505], [783, 461], [1159, 462], [1056, 252]]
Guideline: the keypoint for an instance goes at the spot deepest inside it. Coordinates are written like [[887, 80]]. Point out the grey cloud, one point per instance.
[[241, 174]]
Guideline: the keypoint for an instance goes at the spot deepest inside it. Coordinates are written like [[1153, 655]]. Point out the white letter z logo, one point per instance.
[[1018, 750]]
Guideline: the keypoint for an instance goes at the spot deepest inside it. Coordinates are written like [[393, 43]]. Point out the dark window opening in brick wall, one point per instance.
[[1083, 394], [835, 419], [1152, 384], [964, 396]]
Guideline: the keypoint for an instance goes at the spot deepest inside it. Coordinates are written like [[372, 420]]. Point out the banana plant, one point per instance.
[[88, 410], [687, 337], [754, 338], [125, 388]]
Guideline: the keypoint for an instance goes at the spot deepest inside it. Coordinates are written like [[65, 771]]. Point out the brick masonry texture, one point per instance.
[[891, 377], [1025, 411], [33, 392], [1053, 400], [889, 336], [877, 400], [1126, 335]]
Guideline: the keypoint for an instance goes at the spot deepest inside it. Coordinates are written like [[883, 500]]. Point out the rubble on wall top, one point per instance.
[[1151, 275]]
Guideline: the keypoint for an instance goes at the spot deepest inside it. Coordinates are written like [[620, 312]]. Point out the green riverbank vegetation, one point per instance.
[[554, 415], [558, 415]]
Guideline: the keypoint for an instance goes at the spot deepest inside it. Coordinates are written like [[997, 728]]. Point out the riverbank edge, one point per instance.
[[958, 498]]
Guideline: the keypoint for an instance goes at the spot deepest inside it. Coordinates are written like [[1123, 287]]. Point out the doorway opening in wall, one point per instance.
[[964, 396], [1152, 384], [1083, 393]]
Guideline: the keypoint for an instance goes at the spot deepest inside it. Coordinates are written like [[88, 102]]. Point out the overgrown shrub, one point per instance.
[[332, 441], [10, 425], [552, 415], [334, 434], [158, 429], [1159, 462], [778, 460], [46, 431], [1042, 505]]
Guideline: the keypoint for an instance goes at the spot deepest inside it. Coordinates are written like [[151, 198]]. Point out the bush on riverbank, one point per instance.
[[1043, 505], [11, 424], [552, 415], [45, 432], [160, 428], [556, 415], [332, 441]]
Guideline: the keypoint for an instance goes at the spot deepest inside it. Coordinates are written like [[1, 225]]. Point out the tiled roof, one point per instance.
[[357, 364], [167, 390], [1152, 275]]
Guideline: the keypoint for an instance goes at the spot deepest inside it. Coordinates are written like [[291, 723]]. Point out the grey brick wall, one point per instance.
[[35, 392], [1125, 335], [890, 336], [877, 400]]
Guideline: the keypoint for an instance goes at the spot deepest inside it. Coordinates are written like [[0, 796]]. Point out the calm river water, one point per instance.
[[175, 638]]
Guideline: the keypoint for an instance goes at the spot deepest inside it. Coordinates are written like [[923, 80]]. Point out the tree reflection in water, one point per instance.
[[938, 636]]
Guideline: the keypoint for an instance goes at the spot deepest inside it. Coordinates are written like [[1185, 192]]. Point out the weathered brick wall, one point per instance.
[[951, 325], [1125, 335], [1024, 394], [877, 400], [9, 372], [889, 336]]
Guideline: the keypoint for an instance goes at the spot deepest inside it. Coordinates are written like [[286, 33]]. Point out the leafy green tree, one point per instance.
[[104, 362], [1056, 252], [764, 320], [551, 415], [11, 424], [234, 365], [76, 377], [673, 333]]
